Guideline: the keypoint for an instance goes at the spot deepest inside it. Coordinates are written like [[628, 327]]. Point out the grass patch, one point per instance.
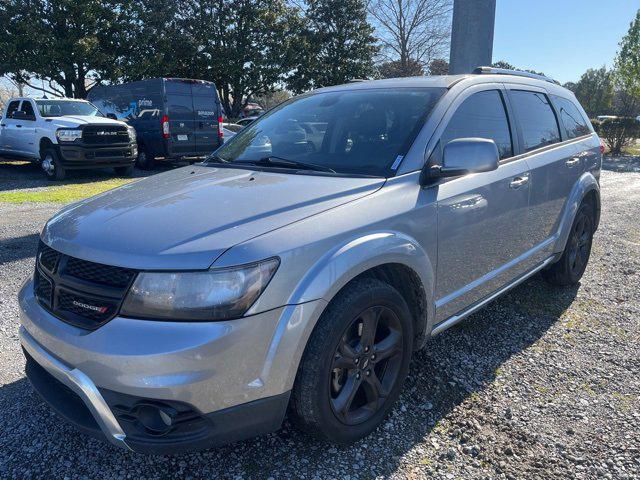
[[71, 192], [632, 150]]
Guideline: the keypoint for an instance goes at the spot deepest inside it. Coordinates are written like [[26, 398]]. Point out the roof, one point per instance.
[[447, 81]]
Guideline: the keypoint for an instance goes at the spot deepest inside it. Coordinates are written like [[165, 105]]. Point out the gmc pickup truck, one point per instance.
[[66, 134]]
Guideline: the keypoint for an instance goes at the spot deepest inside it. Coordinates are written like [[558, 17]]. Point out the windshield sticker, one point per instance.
[[396, 164]]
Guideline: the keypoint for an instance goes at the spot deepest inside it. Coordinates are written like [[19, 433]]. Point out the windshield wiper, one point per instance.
[[216, 158], [274, 161]]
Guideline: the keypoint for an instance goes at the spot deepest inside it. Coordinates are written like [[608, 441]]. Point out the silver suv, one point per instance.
[[299, 267]]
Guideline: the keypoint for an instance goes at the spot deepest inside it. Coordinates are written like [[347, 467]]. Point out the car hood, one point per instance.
[[186, 218], [71, 121]]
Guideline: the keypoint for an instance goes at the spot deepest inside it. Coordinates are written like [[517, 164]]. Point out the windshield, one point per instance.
[[61, 108], [359, 132]]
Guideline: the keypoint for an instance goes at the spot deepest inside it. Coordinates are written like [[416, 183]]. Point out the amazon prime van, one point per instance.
[[174, 118]]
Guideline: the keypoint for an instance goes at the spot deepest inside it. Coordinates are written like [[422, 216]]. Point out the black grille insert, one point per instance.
[[82, 293], [48, 257], [98, 273], [43, 289], [104, 134]]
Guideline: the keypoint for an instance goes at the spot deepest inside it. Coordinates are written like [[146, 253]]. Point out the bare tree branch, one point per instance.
[[412, 32]]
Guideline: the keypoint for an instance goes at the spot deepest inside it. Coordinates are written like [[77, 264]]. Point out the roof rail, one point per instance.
[[519, 73]]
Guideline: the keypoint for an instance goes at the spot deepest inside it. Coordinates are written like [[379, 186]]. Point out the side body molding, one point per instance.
[[586, 183]]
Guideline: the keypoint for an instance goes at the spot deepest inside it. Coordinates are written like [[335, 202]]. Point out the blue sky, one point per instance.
[[561, 38]]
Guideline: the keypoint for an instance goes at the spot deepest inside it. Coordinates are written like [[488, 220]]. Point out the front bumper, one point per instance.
[[232, 377], [82, 156]]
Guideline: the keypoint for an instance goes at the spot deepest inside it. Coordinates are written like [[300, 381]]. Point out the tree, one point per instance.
[[60, 47], [245, 46], [618, 133], [595, 92], [7, 90], [158, 42], [395, 69], [412, 31], [507, 66], [628, 60], [336, 45], [272, 99], [503, 64], [438, 66]]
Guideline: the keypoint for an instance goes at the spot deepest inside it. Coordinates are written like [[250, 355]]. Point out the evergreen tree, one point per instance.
[[61, 47], [336, 45], [628, 60]]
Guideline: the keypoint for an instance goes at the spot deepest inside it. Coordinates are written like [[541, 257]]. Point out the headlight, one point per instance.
[[68, 135], [217, 294], [132, 133]]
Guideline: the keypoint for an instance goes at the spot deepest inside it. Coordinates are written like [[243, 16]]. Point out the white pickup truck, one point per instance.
[[66, 134]]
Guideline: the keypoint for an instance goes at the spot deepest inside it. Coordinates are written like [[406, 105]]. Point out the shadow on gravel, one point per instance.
[[621, 164], [18, 248], [453, 366]]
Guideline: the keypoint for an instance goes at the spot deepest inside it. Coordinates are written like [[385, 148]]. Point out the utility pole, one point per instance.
[[472, 35]]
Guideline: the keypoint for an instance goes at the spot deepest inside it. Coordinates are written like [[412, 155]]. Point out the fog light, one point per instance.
[[154, 419]]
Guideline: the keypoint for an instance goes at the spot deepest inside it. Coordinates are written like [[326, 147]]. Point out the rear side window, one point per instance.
[[12, 108], [571, 118], [537, 120], [482, 115], [27, 108]]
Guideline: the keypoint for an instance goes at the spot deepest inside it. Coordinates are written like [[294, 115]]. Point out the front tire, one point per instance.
[[571, 266], [354, 364], [51, 165], [145, 161], [124, 171]]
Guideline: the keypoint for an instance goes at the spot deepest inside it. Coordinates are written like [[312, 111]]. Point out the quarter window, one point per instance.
[[537, 120], [571, 118], [482, 115]]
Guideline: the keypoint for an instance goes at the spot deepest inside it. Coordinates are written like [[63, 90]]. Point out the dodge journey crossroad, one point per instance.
[[298, 268]]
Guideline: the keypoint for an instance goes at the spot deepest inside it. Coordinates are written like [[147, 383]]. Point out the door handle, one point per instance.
[[519, 181], [19, 126], [572, 162]]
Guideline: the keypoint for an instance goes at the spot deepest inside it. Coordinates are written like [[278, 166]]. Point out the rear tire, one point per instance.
[[124, 171], [573, 262], [354, 364], [145, 161], [51, 166]]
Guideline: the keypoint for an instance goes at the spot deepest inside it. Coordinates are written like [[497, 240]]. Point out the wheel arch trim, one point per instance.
[[347, 261], [586, 184]]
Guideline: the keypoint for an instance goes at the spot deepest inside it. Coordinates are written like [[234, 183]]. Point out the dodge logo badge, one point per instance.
[[90, 307]]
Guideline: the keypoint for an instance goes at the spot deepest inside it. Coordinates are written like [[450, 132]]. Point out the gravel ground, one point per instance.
[[543, 383]]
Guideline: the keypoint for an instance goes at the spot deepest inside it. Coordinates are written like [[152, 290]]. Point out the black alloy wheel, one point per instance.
[[568, 270], [580, 244], [354, 364], [366, 365]]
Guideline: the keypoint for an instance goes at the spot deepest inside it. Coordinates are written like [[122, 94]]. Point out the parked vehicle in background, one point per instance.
[[246, 121], [230, 129], [66, 134], [252, 110], [290, 272], [174, 118]]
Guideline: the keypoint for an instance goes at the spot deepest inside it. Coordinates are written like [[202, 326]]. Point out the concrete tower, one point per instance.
[[472, 35]]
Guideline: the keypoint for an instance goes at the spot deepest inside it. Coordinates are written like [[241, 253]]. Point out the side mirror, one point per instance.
[[112, 116], [466, 155]]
